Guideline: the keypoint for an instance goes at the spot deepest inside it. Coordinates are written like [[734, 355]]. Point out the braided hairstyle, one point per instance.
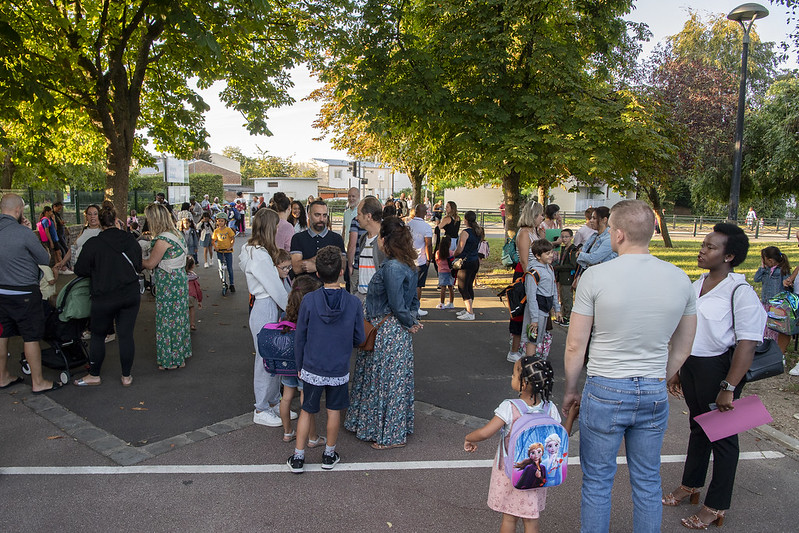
[[537, 373]]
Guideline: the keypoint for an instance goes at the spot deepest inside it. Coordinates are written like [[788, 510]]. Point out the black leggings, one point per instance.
[[104, 313], [466, 277], [700, 378]]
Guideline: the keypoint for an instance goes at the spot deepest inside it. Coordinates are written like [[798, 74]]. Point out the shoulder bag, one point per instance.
[[768, 361], [370, 334]]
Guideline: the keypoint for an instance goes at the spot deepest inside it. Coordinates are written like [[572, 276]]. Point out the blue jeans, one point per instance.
[[636, 409], [227, 259]]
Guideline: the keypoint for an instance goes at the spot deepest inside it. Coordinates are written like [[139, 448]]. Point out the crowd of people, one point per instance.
[[700, 340]]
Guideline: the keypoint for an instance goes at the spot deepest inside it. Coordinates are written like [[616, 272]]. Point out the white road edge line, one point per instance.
[[263, 469]]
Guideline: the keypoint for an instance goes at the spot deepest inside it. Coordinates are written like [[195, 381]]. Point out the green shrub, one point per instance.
[[202, 184]]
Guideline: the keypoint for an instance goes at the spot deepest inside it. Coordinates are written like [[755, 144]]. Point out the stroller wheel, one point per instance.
[[64, 377], [26, 368]]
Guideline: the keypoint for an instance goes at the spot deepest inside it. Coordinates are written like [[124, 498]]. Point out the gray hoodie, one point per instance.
[[21, 255]]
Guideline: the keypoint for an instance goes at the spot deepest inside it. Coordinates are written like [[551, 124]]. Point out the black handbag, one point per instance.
[[769, 361]]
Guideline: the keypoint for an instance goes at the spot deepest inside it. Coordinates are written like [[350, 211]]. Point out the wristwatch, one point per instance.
[[725, 385]]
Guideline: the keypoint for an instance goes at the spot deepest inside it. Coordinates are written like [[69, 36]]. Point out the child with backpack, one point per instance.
[[774, 270], [542, 299], [329, 326], [565, 269], [525, 424], [445, 281]]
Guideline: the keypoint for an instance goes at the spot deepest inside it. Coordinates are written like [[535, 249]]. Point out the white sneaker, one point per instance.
[[205, 265], [795, 370], [111, 338], [422, 312], [67, 272], [466, 316], [441, 306], [267, 417], [276, 410], [449, 306], [461, 312], [514, 356]]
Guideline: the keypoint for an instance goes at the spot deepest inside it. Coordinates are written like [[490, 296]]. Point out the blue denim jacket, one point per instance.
[[393, 290], [600, 250], [772, 282]]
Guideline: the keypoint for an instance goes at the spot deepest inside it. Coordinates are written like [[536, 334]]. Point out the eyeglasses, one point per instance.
[[285, 268]]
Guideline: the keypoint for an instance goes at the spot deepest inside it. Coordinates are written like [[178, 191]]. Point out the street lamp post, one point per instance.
[[745, 15]]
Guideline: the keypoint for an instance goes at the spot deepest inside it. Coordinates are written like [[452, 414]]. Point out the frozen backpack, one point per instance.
[[276, 347], [782, 313], [538, 449]]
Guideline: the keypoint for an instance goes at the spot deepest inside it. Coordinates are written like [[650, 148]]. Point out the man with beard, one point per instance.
[[306, 244]]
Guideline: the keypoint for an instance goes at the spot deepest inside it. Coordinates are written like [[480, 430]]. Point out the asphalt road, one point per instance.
[[177, 450]]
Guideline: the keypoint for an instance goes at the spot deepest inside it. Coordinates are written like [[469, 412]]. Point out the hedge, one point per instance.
[[210, 184]]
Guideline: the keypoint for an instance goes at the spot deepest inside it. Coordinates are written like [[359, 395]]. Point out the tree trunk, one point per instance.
[[510, 186], [543, 192], [9, 167], [117, 178], [417, 176], [657, 206]]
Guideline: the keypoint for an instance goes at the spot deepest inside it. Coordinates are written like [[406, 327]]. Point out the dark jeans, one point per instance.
[[122, 310], [700, 378], [466, 277]]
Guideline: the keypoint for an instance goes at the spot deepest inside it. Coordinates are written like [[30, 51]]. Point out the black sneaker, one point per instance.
[[297, 464], [329, 461], [232, 288]]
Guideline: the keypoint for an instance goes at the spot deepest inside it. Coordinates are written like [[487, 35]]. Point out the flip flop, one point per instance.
[[82, 383], [56, 385], [12, 383], [320, 441], [377, 446]]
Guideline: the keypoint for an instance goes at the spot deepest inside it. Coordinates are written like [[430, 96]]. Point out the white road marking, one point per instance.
[[263, 469]]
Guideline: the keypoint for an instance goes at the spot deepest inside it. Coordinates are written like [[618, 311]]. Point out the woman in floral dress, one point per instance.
[[168, 260], [381, 400]]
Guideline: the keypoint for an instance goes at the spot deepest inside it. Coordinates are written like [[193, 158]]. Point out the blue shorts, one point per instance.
[[291, 381], [337, 397], [445, 279]]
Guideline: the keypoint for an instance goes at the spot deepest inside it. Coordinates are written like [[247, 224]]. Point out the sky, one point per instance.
[[292, 128]]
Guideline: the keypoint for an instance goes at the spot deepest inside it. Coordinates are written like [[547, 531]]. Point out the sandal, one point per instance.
[[288, 437], [672, 500], [83, 383], [377, 446], [694, 522], [319, 441]]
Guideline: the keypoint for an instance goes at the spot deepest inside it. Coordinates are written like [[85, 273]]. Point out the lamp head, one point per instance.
[[747, 12]]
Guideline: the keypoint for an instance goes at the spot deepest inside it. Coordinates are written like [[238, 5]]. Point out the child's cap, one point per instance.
[[538, 373]]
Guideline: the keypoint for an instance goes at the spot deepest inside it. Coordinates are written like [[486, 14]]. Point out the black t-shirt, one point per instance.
[[309, 244]]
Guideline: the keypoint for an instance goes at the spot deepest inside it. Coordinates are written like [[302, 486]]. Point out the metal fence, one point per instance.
[[75, 201]]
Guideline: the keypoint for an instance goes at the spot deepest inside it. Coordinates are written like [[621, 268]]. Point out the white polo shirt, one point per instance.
[[714, 334]]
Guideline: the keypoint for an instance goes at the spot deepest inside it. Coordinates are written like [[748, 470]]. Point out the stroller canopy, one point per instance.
[[74, 300]]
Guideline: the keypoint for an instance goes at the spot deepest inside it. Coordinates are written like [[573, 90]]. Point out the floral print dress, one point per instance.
[[172, 334]]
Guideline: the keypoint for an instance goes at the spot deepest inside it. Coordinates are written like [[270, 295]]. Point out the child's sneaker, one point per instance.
[[232, 288], [297, 464], [514, 356], [449, 306], [329, 461], [441, 306]]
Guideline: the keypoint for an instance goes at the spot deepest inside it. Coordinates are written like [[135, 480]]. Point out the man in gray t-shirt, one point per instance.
[[643, 314]]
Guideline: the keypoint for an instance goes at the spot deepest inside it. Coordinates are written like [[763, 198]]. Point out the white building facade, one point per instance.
[[380, 181]]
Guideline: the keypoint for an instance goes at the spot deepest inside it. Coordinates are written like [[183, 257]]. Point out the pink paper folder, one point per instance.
[[749, 413]]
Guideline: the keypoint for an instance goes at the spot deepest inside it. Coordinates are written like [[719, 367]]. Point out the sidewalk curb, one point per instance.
[[777, 435]]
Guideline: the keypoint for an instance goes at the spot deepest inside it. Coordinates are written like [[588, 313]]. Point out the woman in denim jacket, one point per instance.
[[381, 399]]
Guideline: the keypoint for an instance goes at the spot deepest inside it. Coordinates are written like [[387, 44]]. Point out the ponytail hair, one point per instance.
[[772, 252], [471, 218]]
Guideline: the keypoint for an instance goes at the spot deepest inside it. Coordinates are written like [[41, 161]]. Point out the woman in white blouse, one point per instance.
[[714, 373]]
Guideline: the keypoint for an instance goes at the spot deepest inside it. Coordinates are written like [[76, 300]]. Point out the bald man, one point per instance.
[[21, 311]]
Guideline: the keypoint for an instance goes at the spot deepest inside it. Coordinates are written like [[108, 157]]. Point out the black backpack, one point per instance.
[[516, 295]]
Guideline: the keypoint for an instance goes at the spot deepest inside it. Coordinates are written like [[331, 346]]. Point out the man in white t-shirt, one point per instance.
[[642, 334], [423, 243]]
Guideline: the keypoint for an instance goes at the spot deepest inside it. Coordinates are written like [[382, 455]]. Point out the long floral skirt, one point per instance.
[[382, 393], [172, 334]]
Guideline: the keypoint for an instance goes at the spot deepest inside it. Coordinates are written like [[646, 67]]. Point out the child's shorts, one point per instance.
[[291, 381], [192, 301], [445, 279], [337, 397]]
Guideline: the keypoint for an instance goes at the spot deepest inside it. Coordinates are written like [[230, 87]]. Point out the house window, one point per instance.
[[272, 184]]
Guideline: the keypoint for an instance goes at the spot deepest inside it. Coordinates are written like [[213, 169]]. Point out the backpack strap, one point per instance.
[[536, 275]]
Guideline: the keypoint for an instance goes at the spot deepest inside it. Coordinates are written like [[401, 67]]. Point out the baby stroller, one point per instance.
[[63, 328]]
